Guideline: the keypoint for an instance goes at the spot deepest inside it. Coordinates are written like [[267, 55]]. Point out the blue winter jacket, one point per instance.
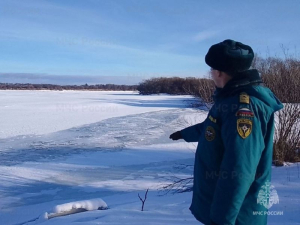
[[234, 153]]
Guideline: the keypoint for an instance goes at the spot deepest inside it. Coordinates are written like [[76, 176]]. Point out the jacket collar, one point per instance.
[[240, 81]]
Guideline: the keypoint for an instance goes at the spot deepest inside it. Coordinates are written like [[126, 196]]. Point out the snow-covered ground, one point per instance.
[[58, 147]]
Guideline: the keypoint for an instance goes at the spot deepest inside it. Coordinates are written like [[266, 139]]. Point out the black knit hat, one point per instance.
[[229, 56]]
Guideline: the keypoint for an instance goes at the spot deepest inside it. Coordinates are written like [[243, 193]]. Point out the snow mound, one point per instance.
[[88, 205], [76, 207], [68, 209]]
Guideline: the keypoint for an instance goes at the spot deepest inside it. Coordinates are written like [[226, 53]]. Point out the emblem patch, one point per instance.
[[244, 98], [244, 112], [210, 133], [244, 127]]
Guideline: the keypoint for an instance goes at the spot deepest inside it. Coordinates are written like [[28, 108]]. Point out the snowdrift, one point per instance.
[[68, 209]]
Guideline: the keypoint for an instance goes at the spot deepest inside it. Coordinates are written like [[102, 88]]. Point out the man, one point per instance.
[[235, 143]]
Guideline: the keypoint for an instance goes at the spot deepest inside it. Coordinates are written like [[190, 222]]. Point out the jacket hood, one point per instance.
[[249, 81]]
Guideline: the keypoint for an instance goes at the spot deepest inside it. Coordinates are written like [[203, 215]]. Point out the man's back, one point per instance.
[[234, 155], [235, 143]]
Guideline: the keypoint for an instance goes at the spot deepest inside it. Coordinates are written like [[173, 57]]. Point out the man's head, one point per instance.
[[226, 59], [220, 78]]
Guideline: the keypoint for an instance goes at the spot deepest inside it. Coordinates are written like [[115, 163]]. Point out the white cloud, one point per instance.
[[204, 35]]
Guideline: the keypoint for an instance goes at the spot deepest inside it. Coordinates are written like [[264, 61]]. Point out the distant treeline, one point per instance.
[[96, 87], [199, 87], [282, 76]]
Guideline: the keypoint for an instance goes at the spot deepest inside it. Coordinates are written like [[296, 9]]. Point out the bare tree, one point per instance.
[[143, 200]]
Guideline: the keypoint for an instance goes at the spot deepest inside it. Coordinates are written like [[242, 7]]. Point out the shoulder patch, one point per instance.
[[244, 127], [210, 133], [212, 119], [244, 98]]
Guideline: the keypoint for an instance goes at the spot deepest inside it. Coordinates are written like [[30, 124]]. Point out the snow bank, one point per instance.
[[88, 205], [69, 208], [76, 207]]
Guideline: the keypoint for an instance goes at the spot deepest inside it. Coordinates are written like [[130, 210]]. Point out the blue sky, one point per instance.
[[129, 40]]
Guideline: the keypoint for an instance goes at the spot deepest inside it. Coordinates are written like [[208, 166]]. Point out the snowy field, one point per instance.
[[58, 147]]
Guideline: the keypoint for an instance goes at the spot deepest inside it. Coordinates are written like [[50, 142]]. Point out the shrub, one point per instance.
[[282, 76]]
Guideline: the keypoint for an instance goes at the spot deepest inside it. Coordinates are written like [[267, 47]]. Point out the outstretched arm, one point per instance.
[[192, 133]]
